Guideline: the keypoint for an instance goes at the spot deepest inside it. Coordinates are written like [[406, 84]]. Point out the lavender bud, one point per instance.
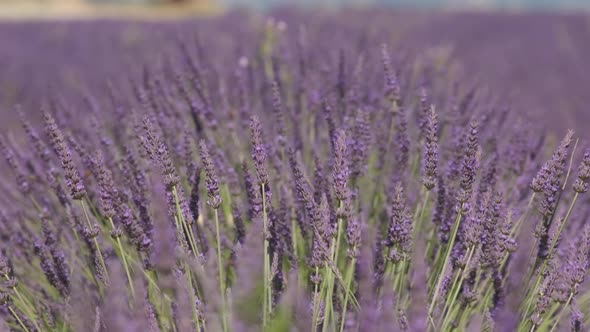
[[4, 265], [211, 177], [551, 176], [470, 164], [430, 168], [392, 88], [581, 183], [424, 111], [39, 145], [158, 153], [361, 141], [258, 151], [107, 191], [353, 236], [402, 141], [277, 107], [340, 170], [71, 174], [21, 179], [400, 224]]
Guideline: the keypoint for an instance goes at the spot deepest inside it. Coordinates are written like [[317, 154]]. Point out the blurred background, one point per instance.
[[492, 40], [23, 9]]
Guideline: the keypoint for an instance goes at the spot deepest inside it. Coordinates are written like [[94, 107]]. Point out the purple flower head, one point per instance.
[[108, 193], [392, 88], [399, 234], [211, 179], [402, 142], [578, 261], [430, 167], [551, 174], [38, 144], [258, 151], [71, 174], [21, 179], [353, 236], [581, 182], [158, 153], [424, 110], [278, 109], [340, 171], [360, 143], [470, 163], [322, 234]]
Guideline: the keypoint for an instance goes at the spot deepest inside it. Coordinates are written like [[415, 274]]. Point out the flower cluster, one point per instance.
[[295, 173]]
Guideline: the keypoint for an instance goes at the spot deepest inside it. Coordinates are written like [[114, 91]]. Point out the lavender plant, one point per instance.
[[295, 174]]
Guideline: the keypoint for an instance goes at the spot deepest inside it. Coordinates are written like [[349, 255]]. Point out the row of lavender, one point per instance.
[[311, 173]]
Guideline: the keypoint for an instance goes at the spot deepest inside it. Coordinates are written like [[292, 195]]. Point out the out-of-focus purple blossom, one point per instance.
[[430, 163], [340, 172], [470, 163], [581, 182], [259, 154], [392, 88], [64, 154], [211, 179], [399, 234], [21, 178]]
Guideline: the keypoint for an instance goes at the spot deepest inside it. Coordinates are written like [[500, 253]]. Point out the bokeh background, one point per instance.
[[533, 53]]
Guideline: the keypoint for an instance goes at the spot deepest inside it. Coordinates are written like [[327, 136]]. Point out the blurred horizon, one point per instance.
[[163, 9]]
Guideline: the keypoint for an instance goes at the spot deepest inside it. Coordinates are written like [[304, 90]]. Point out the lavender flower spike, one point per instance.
[[258, 151], [211, 180], [430, 168], [581, 183], [340, 172], [73, 180]]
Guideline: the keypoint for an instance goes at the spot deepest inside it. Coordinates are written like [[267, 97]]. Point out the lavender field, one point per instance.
[[350, 171]]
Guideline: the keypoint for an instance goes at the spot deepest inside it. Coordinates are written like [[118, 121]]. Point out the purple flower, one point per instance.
[[211, 180], [21, 179], [399, 234], [71, 174], [581, 182], [430, 167], [340, 171], [108, 193], [470, 164], [392, 88]]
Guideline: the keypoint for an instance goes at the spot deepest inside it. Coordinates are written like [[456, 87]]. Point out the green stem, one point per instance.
[[100, 258], [562, 226], [562, 311], [516, 229], [316, 306], [124, 259], [329, 285], [335, 247], [550, 253], [220, 268], [456, 288], [184, 226], [349, 274], [419, 224], [267, 290], [569, 169], [338, 234], [26, 304], [445, 262], [31, 310], [192, 299], [18, 319]]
